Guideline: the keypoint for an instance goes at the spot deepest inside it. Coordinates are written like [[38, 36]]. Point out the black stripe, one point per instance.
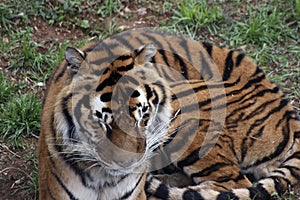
[[106, 97], [228, 66], [125, 68], [239, 59], [233, 113], [108, 131], [67, 158], [227, 139], [58, 147], [215, 107], [201, 104], [108, 47], [124, 41], [71, 196], [191, 194], [230, 177], [205, 70], [49, 190], [225, 178], [61, 74], [208, 47], [279, 171], [288, 115], [165, 73], [68, 118], [189, 91], [257, 135], [110, 81], [243, 98], [220, 186], [208, 170], [162, 90], [162, 191], [107, 82], [100, 61], [280, 183], [139, 40], [295, 155], [104, 47], [184, 132], [259, 193], [257, 71], [200, 85], [149, 93], [92, 47], [173, 135], [152, 39], [182, 63], [255, 80], [185, 46], [258, 122], [283, 143], [249, 83], [123, 57], [260, 109], [156, 98], [231, 84], [135, 94], [164, 57], [227, 195], [180, 83], [295, 171], [148, 182], [129, 193], [190, 159]]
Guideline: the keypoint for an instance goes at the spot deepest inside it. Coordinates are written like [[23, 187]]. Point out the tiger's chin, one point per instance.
[[114, 169], [104, 165]]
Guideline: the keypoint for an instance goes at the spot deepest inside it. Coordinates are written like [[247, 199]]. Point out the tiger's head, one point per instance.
[[119, 116]]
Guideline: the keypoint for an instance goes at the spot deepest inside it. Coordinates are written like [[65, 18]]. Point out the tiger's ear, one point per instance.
[[74, 58], [144, 54]]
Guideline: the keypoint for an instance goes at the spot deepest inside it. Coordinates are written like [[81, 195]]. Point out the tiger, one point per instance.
[[102, 132]]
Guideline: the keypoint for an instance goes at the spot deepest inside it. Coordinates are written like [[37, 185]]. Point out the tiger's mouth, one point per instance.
[[123, 163], [120, 152]]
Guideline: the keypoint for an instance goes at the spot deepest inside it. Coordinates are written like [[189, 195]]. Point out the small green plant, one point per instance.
[[109, 7], [33, 176], [19, 118], [195, 14], [263, 25], [298, 9], [7, 89], [288, 195]]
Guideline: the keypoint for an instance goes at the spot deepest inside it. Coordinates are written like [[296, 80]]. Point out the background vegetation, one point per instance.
[[34, 35]]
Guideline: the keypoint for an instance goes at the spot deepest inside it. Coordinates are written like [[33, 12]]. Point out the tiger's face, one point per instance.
[[119, 123]]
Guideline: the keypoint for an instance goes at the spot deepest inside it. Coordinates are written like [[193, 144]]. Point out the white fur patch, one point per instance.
[[97, 106]]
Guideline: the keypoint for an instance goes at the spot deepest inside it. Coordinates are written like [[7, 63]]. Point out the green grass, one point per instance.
[[110, 7], [288, 195], [20, 118], [7, 89], [264, 25], [193, 15]]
